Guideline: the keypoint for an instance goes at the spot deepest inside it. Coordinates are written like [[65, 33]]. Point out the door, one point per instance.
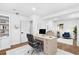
[[25, 28]]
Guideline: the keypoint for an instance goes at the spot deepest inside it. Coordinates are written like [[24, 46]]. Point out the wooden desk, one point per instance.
[[50, 43]]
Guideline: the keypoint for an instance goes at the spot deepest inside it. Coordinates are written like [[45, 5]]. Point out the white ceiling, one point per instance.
[[42, 9]]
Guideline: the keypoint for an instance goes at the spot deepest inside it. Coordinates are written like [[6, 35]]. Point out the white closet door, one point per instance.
[[25, 28]]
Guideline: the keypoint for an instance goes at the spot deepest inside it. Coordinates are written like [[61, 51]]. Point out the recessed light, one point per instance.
[[33, 8]]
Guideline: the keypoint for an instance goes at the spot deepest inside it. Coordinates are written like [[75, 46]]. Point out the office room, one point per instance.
[[39, 28]]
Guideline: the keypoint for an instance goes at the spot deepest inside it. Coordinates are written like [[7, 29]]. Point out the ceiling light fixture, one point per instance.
[[33, 8]]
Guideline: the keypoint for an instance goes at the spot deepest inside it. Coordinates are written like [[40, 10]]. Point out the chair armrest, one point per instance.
[[38, 41]]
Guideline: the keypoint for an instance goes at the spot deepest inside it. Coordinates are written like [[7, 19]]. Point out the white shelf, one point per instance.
[[4, 23]]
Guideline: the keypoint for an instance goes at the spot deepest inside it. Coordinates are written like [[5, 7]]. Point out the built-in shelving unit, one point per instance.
[[4, 26]]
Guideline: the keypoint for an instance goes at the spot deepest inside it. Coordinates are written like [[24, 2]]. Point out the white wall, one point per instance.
[[45, 24], [36, 25]]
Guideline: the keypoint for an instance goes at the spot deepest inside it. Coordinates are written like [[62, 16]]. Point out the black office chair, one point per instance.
[[33, 43]]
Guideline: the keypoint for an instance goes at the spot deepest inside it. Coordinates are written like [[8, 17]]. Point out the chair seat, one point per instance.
[[34, 44]]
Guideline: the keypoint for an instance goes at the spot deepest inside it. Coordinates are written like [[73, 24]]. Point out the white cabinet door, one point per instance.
[[25, 28], [4, 43], [78, 33], [0, 44]]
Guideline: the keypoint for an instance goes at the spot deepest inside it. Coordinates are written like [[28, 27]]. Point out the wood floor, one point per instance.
[[70, 48], [3, 52]]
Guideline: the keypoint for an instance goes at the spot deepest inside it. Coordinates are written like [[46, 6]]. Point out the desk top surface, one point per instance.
[[45, 36]]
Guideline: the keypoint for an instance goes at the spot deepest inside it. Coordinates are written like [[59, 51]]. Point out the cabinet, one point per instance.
[[4, 32], [50, 46], [4, 43], [4, 26]]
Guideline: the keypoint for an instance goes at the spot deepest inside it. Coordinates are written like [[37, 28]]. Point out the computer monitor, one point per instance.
[[42, 31]]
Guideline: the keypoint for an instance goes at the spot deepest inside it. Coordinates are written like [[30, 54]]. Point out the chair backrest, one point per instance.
[[30, 38]]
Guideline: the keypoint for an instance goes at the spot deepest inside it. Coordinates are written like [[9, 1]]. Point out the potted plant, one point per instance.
[[75, 32]]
